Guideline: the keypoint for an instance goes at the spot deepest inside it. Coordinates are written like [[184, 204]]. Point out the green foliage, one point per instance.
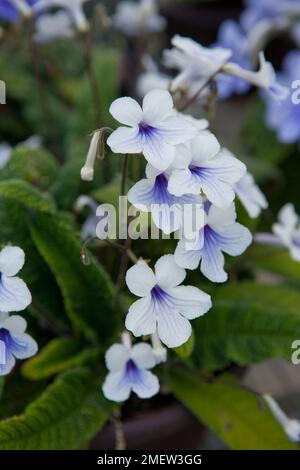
[[248, 323], [65, 416], [186, 349], [87, 291], [232, 412], [58, 355], [23, 193]]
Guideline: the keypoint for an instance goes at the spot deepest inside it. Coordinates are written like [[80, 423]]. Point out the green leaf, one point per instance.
[[26, 195], [186, 349], [232, 412], [58, 355], [65, 416], [248, 323], [36, 166], [87, 290]]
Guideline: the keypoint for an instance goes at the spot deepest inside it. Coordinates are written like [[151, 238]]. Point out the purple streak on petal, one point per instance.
[[13, 344]]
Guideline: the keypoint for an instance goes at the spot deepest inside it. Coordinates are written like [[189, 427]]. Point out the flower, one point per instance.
[[284, 116], [134, 19], [165, 306], [88, 229], [252, 198], [128, 371], [209, 170], [51, 27], [195, 62], [286, 232], [10, 10], [159, 351], [260, 10], [296, 33], [6, 150], [16, 344], [74, 7], [154, 130], [232, 37], [5, 154], [152, 195], [14, 293], [290, 426], [151, 78], [221, 233]]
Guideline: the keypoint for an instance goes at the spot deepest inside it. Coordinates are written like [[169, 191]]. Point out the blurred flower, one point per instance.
[[6, 150], [195, 62], [159, 351], [207, 170], [74, 7], [5, 154], [154, 130], [88, 229], [16, 344], [296, 33], [284, 116], [151, 78], [128, 372], [165, 306], [259, 10], [252, 198], [231, 37], [51, 27], [290, 426], [135, 19], [10, 10], [221, 233], [14, 293], [152, 195], [286, 232]]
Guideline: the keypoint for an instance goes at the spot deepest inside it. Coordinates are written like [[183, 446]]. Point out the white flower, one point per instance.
[[221, 233], [5, 154], [159, 351], [152, 195], [207, 169], [154, 130], [165, 306], [286, 232], [134, 18], [128, 371], [16, 344], [74, 7], [51, 27], [250, 195], [290, 426], [195, 62], [88, 229], [151, 78], [14, 294]]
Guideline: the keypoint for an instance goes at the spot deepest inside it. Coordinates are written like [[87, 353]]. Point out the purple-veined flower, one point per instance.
[[154, 130], [262, 10], [10, 10], [208, 170], [250, 195], [129, 372], [14, 293], [74, 7], [151, 195], [136, 18], [285, 232], [284, 116], [194, 62], [49, 27], [164, 306], [15, 343], [221, 233], [231, 36]]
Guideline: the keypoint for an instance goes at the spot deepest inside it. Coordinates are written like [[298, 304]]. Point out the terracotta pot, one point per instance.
[[168, 428]]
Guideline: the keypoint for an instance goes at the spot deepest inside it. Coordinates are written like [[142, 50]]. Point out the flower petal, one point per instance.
[[212, 262], [141, 194], [140, 279], [204, 147], [190, 301], [15, 324], [10, 363], [23, 346], [168, 273], [116, 357], [125, 140], [185, 258], [220, 193], [167, 218], [176, 130], [14, 294], [141, 317], [157, 105], [220, 218], [183, 182], [116, 386], [158, 152], [173, 329], [145, 385], [142, 355], [235, 239], [12, 259], [127, 111]]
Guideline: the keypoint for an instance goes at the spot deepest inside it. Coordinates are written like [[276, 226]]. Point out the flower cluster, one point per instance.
[[14, 297], [186, 166]]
